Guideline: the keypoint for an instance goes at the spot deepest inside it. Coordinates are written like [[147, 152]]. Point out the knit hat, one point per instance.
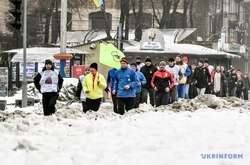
[[48, 62], [124, 60], [94, 65], [148, 60], [171, 60]]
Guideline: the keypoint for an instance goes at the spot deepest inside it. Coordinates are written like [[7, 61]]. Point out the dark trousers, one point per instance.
[[125, 104], [245, 94], [93, 104], [115, 103], [161, 98], [84, 106], [192, 92], [173, 94], [144, 96], [137, 100], [49, 102], [232, 91], [239, 93]]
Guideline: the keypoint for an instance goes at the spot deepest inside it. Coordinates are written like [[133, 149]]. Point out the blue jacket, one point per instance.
[[111, 76], [125, 77], [141, 81]]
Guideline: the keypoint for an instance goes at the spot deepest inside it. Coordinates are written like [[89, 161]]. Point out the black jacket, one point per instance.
[[246, 83], [148, 72], [202, 77], [232, 80]]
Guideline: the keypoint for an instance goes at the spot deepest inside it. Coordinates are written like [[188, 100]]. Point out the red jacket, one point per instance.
[[162, 79]]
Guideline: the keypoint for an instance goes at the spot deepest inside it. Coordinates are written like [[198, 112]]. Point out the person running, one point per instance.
[[202, 78], [162, 82], [49, 83], [80, 92], [184, 72], [175, 72], [239, 84], [246, 86], [141, 81], [232, 80], [139, 63], [148, 70], [110, 81], [124, 87], [192, 91], [219, 78], [93, 85]]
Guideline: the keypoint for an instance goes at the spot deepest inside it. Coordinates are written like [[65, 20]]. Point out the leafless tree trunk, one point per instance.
[[48, 21], [172, 20], [138, 19], [124, 16], [107, 28], [191, 22], [185, 10]]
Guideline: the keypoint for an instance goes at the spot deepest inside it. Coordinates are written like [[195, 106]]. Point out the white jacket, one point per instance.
[[49, 81]]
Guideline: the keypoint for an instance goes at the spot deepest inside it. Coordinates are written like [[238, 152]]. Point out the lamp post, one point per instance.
[[24, 83], [63, 40]]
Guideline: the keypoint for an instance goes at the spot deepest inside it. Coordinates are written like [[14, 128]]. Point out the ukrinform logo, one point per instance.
[[222, 156], [116, 56]]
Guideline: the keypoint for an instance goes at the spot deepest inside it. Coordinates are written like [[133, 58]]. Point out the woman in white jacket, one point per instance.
[[49, 83]]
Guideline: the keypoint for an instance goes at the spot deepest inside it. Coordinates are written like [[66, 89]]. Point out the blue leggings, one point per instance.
[[181, 88]]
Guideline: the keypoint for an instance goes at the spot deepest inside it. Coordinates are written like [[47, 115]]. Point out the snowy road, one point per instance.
[[149, 138]]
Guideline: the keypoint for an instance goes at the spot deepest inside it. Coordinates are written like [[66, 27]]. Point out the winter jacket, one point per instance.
[[232, 80], [91, 87], [79, 92], [162, 79], [123, 77], [174, 70], [111, 76], [141, 81], [202, 77], [246, 83], [148, 72], [48, 81], [184, 72]]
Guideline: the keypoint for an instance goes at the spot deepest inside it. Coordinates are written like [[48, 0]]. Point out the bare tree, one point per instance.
[[138, 18], [124, 16], [167, 17]]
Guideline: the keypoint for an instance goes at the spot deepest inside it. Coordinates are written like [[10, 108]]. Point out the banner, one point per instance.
[[98, 3]]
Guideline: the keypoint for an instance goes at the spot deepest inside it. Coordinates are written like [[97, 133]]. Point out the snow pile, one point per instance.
[[68, 90], [68, 110], [203, 101]]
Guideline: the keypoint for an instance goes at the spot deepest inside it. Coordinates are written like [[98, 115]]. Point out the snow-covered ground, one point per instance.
[[145, 136]]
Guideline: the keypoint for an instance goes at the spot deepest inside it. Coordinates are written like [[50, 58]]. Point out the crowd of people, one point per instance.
[[138, 82]]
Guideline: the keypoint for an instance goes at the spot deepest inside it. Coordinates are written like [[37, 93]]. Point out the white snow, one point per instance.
[[141, 137]]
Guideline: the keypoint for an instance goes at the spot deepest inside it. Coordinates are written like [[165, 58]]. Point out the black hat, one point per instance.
[[94, 65], [148, 60], [48, 62], [171, 60]]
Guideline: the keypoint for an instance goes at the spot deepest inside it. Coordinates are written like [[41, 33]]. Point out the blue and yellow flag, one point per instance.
[[98, 3]]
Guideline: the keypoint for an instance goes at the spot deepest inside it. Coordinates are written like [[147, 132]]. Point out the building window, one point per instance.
[[97, 21]]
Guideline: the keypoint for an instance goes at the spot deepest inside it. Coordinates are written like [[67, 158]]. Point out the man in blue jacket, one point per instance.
[[124, 87], [141, 81], [110, 81]]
